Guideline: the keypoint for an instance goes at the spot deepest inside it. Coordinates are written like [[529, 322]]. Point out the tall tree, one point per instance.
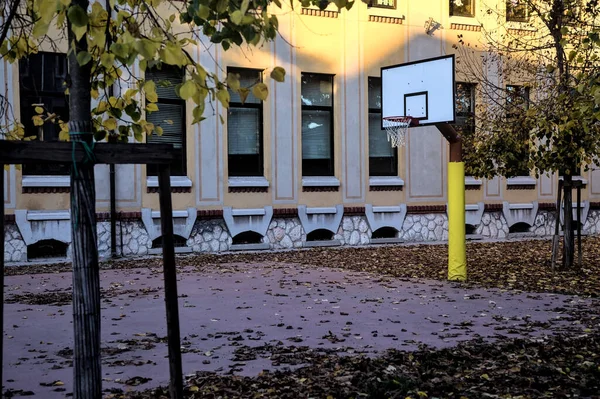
[[537, 69], [104, 44]]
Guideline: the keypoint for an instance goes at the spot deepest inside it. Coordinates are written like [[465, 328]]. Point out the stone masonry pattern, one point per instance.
[[212, 236]]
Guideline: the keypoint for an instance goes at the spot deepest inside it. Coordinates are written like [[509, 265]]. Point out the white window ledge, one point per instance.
[[385, 181], [457, 19], [320, 181], [176, 181], [48, 215], [520, 206], [576, 178], [46, 181], [521, 180], [258, 181], [471, 181]]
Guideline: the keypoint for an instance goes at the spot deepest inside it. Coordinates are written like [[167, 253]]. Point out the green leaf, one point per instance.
[[236, 17], [172, 54], [187, 90], [147, 48], [233, 81], [77, 16], [278, 74], [100, 135], [152, 107], [244, 6], [120, 50], [83, 57], [150, 91], [203, 11], [40, 29], [260, 91], [244, 92], [107, 60], [223, 97], [137, 132]]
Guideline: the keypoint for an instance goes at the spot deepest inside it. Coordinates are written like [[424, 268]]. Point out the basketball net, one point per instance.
[[396, 128]]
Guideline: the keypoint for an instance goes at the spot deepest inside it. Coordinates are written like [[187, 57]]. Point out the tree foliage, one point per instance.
[[125, 36], [539, 89]]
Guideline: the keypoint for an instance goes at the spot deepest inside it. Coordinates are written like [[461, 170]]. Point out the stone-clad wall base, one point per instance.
[[287, 233], [209, 236], [427, 227], [15, 249]]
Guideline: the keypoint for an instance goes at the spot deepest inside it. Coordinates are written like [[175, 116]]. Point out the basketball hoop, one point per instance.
[[396, 128]]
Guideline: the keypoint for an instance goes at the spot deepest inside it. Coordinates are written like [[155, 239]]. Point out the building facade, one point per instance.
[[310, 166]]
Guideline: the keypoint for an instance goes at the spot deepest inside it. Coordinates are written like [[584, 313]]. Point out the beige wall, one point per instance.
[[352, 47]]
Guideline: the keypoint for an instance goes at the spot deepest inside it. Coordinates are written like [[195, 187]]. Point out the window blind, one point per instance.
[[317, 90], [379, 146], [243, 127], [316, 131]]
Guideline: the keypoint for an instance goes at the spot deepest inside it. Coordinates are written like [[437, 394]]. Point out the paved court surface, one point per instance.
[[243, 318]]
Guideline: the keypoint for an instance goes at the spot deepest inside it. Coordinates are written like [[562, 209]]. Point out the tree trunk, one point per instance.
[[87, 383], [569, 241]]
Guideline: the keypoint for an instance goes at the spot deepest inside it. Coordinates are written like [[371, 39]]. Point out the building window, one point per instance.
[[517, 10], [462, 8], [42, 84], [383, 4], [245, 127], [170, 116], [383, 158], [317, 124], [517, 103]]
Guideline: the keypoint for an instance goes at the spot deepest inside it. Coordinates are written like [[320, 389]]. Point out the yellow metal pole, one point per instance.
[[457, 241], [457, 248]]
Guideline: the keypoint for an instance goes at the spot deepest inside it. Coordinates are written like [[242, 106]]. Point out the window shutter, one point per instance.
[[316, 131], [243, 131], [379, 146]]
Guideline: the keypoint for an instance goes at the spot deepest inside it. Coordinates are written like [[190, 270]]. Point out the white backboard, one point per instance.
[[422, 89]]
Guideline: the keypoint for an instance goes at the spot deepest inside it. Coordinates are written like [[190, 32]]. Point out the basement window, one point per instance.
[[519, 228], [385, 232], [178, 241], [47, 249], [320, 235], [247, 237]]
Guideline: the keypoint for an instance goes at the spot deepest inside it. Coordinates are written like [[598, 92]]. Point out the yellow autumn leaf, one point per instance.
[[110, 124], [233, 81], [223, 97], [150, 90], [278, 74], [39, 110], [260, 91], [158, 130], [152, 107], [37, 120], [187, 90]]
